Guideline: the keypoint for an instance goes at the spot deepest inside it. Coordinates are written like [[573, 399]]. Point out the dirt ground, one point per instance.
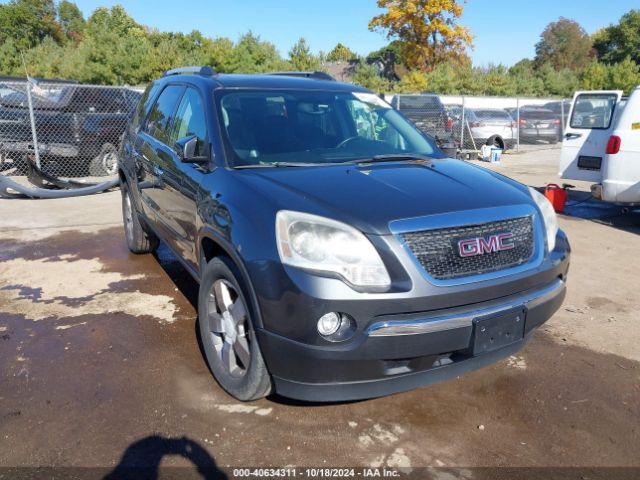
[[100, 365]]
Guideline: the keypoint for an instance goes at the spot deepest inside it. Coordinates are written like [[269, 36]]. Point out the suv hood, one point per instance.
[[369, 197]]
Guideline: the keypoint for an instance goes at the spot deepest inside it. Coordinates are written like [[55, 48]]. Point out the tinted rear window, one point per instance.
[[426, 102], [537, 114], [593, 110]]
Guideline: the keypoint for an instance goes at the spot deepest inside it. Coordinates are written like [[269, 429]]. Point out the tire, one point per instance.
[[138, 239], [105, 163], [228, 337]]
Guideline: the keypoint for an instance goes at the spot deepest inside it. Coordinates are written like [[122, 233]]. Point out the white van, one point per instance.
[[602, 145]]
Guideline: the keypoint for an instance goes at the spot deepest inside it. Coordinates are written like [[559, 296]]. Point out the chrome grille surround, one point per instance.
[[468, 220], [437, 250]]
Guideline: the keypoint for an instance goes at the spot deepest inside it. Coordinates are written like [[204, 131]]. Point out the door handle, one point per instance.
[[569, 136]]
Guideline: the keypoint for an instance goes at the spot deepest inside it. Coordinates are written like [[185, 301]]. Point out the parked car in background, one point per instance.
[[485, 126], [561, 110], [79, 128], [427, 112], [538, 124], [335, 261], [602, 145]]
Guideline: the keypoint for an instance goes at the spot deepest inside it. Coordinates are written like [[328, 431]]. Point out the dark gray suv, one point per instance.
[[339, 254]]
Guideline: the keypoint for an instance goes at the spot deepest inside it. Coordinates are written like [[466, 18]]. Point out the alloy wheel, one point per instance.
[[128, 217], [110, 162], [228, 328]]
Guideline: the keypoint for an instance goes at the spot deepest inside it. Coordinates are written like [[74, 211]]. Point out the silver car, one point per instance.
[[487, 126]]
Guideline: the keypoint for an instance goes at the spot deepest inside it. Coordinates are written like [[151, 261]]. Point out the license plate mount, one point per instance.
[[492, 332]]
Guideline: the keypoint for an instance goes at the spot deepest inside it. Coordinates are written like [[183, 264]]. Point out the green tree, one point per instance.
[[29, 22], [624, 75], [594, 76], [71, 20], [301, 57], [369, 77], [617, 42], [341, 53], [413, 82], [525, 80], [558, 82], [252, 55], [10, 61], [564, 44]]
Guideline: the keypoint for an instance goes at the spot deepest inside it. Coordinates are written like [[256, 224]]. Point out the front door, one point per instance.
[[181, 184], [587, 133]]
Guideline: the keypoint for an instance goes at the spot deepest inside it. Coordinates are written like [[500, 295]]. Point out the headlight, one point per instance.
[[321, 244], [548, 215]]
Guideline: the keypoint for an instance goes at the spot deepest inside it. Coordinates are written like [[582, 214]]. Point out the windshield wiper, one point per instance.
[[393, 157], [275, 165]]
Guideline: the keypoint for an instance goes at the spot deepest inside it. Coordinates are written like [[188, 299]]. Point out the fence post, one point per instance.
[[34, 134], [462, 124], [562, 126], [518, 124]]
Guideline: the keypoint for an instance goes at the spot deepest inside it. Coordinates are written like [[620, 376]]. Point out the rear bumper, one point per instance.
[[622, 192], [399, 353], [63, 150], [534, 134]]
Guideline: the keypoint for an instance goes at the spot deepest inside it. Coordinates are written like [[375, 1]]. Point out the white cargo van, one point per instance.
[[602, 145]]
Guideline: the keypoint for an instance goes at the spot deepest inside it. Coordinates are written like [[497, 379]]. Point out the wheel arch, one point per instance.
[[211, 245]]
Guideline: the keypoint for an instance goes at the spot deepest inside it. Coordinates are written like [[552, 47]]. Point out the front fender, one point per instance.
[[207, 232]]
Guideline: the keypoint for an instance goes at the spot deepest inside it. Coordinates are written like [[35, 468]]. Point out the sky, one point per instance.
[[505, 30]]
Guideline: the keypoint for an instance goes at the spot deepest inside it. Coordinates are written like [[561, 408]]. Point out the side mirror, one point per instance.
[[186, 149]]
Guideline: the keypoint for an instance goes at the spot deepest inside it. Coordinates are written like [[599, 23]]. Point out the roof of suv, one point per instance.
[[266, 81]]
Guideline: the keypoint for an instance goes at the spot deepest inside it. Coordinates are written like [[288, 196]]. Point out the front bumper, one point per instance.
[[400, 352]]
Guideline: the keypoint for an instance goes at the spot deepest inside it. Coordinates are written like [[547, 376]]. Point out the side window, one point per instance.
[[142, 103], [159, 120], [190, 120], [593, 111]]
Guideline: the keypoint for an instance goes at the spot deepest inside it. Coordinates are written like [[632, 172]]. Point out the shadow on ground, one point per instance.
[[141, 461]]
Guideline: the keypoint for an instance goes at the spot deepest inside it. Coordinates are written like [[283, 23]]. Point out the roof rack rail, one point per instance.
[[313, 75], [205, 71]]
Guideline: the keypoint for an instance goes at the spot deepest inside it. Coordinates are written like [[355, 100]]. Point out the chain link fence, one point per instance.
[[67, 130], [73, 131], [466, 123]]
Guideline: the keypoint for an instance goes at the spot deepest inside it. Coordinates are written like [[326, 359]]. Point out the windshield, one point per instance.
[[314, 127]]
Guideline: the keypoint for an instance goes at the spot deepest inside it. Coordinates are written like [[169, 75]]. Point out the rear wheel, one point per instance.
[[227, 333], [138, 240], [105, 163]]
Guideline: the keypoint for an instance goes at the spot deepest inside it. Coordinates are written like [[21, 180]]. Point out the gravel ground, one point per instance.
[[100, 365]]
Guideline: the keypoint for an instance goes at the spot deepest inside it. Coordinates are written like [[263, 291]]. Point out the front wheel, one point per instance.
[[227, 333]]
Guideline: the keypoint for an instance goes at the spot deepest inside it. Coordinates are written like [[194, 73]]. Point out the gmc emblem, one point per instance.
[[472, 247]]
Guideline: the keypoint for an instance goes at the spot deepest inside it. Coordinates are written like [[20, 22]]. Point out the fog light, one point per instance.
[[329, 324]]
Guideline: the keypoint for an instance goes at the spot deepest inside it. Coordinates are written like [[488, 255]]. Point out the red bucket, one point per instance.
[[557, 196]]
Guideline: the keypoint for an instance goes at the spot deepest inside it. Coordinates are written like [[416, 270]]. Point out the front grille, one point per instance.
[[437, 250]]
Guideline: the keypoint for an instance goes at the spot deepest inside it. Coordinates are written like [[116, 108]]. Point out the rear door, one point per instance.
[[150, 147], [587, 133]]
